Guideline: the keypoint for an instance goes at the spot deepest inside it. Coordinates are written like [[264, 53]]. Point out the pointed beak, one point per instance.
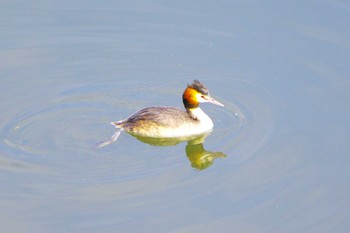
[[213, 101]]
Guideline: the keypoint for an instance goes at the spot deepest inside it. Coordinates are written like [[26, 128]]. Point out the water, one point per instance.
[[281, 69]]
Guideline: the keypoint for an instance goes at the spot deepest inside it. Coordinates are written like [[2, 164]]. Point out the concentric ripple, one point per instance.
[[62, 132], [247, 120]]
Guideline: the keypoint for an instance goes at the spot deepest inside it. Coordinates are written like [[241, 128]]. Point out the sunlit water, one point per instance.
[[276, 161]]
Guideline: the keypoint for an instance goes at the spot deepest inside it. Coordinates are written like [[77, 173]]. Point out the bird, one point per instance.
[[170, 122]]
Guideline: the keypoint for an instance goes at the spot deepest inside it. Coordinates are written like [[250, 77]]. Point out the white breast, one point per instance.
[[201, 125]]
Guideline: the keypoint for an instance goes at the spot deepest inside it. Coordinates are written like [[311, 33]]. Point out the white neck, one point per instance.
[[198, 114]]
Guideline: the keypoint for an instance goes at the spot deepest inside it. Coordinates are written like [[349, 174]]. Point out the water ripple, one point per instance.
[[247, 120], [62, 133]]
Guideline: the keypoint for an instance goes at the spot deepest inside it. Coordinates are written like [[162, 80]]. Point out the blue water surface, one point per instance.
[[282, 70]]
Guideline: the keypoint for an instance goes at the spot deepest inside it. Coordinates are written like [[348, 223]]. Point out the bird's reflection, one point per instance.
[[199, 157]]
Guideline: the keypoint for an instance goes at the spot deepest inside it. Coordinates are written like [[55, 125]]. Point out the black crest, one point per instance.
[[199, 87]]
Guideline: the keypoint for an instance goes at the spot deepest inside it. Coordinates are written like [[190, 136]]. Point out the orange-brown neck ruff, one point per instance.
[[189, 98]]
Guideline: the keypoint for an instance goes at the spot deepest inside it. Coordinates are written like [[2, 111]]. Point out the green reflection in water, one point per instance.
[[199, 157]]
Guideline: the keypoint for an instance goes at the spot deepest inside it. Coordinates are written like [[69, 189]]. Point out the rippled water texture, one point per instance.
[[276, 161]]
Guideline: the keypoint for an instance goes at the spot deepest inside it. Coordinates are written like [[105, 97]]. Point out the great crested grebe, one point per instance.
[[170, 122]]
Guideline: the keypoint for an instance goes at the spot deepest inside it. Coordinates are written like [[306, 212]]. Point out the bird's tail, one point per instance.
[[118, 124]]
